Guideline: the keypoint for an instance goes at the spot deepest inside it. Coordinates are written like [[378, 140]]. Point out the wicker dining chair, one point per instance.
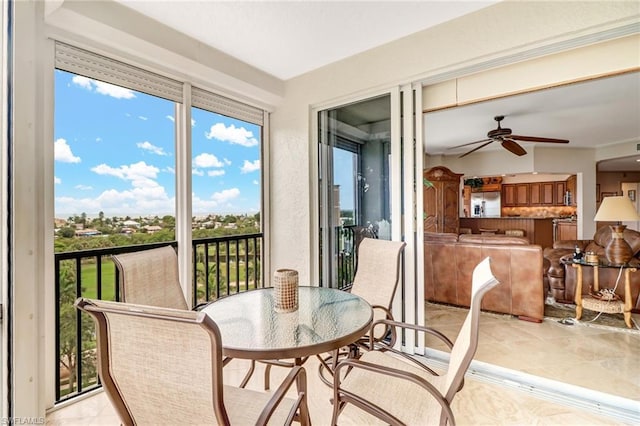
[[150, 277], [164, 366], [383, 384]]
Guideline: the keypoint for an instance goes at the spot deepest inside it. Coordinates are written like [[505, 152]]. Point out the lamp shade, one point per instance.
[[616, 209]]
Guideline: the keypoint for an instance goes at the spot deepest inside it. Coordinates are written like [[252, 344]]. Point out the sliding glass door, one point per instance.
[[354, 183]]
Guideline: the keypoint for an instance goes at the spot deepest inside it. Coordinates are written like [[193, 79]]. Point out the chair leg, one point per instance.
[[248, 375], [327, 364], [267, 376]]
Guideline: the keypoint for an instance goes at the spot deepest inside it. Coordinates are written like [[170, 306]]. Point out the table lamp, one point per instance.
[[617, 209]]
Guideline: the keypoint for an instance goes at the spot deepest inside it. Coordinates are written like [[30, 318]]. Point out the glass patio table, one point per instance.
[[326, 320]]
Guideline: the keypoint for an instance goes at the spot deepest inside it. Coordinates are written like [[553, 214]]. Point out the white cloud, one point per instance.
[[203, 206], [145, 196], [216, 201], [197, 172], [81, 81], [193, 123], [57, 180], [62, 152], [232, 134], [250, 166], [148, 146], [98, 139], [225, 195], [140, 174], [170, 118], [214, 173], [103, 88], [227, 161], [83, 187], [255, 182], [143, 118], [169, 170], [207, 160]]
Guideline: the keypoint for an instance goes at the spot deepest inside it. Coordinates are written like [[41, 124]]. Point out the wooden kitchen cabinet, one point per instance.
[[441, 195], [566, 231], [547, 190], [572, 186], [508, 195], [466, 200], [515, 195], [560, 189], [535, 194], [522, 194]]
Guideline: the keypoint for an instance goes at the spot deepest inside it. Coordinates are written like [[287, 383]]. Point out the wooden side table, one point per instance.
[[594, 304]]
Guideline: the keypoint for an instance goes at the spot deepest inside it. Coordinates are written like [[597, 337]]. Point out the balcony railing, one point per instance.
[[346, 241], [221, 266]]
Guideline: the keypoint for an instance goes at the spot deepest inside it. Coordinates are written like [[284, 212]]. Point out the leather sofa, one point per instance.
[[561, 277], [449, 260]]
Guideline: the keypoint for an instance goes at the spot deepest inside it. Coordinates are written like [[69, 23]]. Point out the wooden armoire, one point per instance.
[[441, 189]]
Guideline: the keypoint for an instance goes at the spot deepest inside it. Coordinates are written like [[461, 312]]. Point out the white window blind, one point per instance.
[[92, 65], [212, 102], [88, 64]]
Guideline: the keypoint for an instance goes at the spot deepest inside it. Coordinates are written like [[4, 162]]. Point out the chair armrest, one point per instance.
[[298, 376], [392, 326], [365, 341], [382, 370]]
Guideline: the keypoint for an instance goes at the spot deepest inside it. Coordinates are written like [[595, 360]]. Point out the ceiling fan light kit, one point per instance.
[[507, 140]]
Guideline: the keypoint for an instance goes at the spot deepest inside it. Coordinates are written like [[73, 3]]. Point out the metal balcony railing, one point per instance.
[[221, 266]]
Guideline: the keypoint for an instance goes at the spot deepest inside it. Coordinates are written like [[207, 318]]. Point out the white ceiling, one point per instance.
[[289, 38], [589, 114]]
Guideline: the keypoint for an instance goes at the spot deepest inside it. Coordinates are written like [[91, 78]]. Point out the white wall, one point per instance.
[[632, 186]]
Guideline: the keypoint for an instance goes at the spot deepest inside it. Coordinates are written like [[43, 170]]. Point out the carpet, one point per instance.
[[566, 315]]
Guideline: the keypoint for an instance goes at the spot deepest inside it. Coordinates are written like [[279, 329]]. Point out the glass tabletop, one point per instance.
[[604, 263], [326, 319]]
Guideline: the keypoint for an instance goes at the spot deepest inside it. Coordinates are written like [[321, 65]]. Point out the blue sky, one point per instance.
[[115, 153]]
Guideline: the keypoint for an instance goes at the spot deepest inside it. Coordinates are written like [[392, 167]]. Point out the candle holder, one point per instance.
[[285, 282]]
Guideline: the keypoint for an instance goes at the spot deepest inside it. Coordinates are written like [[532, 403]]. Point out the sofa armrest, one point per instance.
[[571, 244]]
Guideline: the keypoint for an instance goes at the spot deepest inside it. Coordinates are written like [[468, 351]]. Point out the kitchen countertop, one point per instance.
[[539, 230], [509, 217], [564, 219]]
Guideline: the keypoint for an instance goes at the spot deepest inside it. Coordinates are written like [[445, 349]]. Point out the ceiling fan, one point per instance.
[[507, 140]]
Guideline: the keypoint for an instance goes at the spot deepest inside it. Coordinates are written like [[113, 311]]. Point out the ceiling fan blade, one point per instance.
[[537, 139], [513, 147], [476, 148], [470, 143]]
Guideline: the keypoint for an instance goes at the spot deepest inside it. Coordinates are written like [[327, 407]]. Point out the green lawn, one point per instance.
[[89, 280]]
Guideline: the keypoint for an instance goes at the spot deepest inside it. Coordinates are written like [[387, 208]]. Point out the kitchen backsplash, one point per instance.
[[551, 211]]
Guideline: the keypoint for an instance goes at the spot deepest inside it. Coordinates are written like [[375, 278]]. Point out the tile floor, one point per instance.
[[584, 356]]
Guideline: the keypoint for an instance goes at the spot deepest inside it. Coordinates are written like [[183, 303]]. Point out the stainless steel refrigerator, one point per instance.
[[485, 204]]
